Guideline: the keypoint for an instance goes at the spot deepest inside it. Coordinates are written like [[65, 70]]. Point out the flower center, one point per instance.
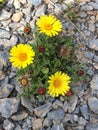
[[48, 27], [24, 82], [23, 56], [57, 83]]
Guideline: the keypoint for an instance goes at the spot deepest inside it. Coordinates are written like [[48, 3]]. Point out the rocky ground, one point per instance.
[[80, 112]]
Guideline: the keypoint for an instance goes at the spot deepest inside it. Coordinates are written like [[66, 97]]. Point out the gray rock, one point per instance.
[[94, 83], [41, 111], [92, 127], [29, 122], [23, 1], [37, 123], [89, 55], [84, 111], [27, 103], [57, 114], [6, 22], [54, 1], [90, 71], [82, 121], [4, 33], [93, 104], [94, 5], [5, 15], [13, 40], [36, 2], [18, 127], [5, 42], [8, 106], [72, 104], [25, 126], [58, 127], [95, 59], [57, 103], [2, 75], [86, 7], [41, 10], [9, 4], [68, 117], [47, 122], [8, 125], [58, 9], [82, 14], [6, 90], [19, 116], [93, 44], [92, 26], [65, 106]]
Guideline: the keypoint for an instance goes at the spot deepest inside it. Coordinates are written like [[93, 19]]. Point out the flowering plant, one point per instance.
[[49, 66]]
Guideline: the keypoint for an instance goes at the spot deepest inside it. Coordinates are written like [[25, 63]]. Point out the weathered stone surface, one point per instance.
[[4, 33], [41, 111], [93, 104], [17, 16], [94, 5], [8, 106], [93, 44], [8, 125], [19, 116], [5, 15], [27, 103], [58, 127], [57, 114], [36, 2], [2, 75], [41, 10], [84, 111], [72, 103], [37, 123], [6, 90], [94, 83], [92, 127]]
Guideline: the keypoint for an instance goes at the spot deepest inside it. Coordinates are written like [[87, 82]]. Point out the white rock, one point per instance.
[[23, 1], [17, 4], [36, 2], [41, 10], [5, 15], [17, 16], [94, 83]]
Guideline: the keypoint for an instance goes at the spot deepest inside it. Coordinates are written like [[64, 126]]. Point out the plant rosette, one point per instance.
[[48, 66]]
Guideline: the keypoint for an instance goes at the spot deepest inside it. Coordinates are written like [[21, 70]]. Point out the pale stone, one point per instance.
[[17, 16]]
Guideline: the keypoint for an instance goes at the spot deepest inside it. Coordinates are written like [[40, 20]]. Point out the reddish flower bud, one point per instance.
[[41, 48], [27, 29], [41, 91], [69, 93], [80, 72]]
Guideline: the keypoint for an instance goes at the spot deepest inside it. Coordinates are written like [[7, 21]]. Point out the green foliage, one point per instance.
[[58, 55]]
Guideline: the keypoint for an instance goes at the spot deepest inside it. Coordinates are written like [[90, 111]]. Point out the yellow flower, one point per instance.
[[58, 84], [21, 55], [49, 25], [1, 0]]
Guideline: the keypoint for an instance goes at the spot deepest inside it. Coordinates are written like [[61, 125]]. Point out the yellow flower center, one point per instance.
[[57, 83], [24, 82], [48, 27], [23, 56]]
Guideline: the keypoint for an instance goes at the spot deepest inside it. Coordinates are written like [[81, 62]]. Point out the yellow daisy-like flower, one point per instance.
[[58, 84], [21, 55], [49, 25]]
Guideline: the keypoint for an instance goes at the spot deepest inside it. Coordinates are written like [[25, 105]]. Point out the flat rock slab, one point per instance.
[[8, 106]]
